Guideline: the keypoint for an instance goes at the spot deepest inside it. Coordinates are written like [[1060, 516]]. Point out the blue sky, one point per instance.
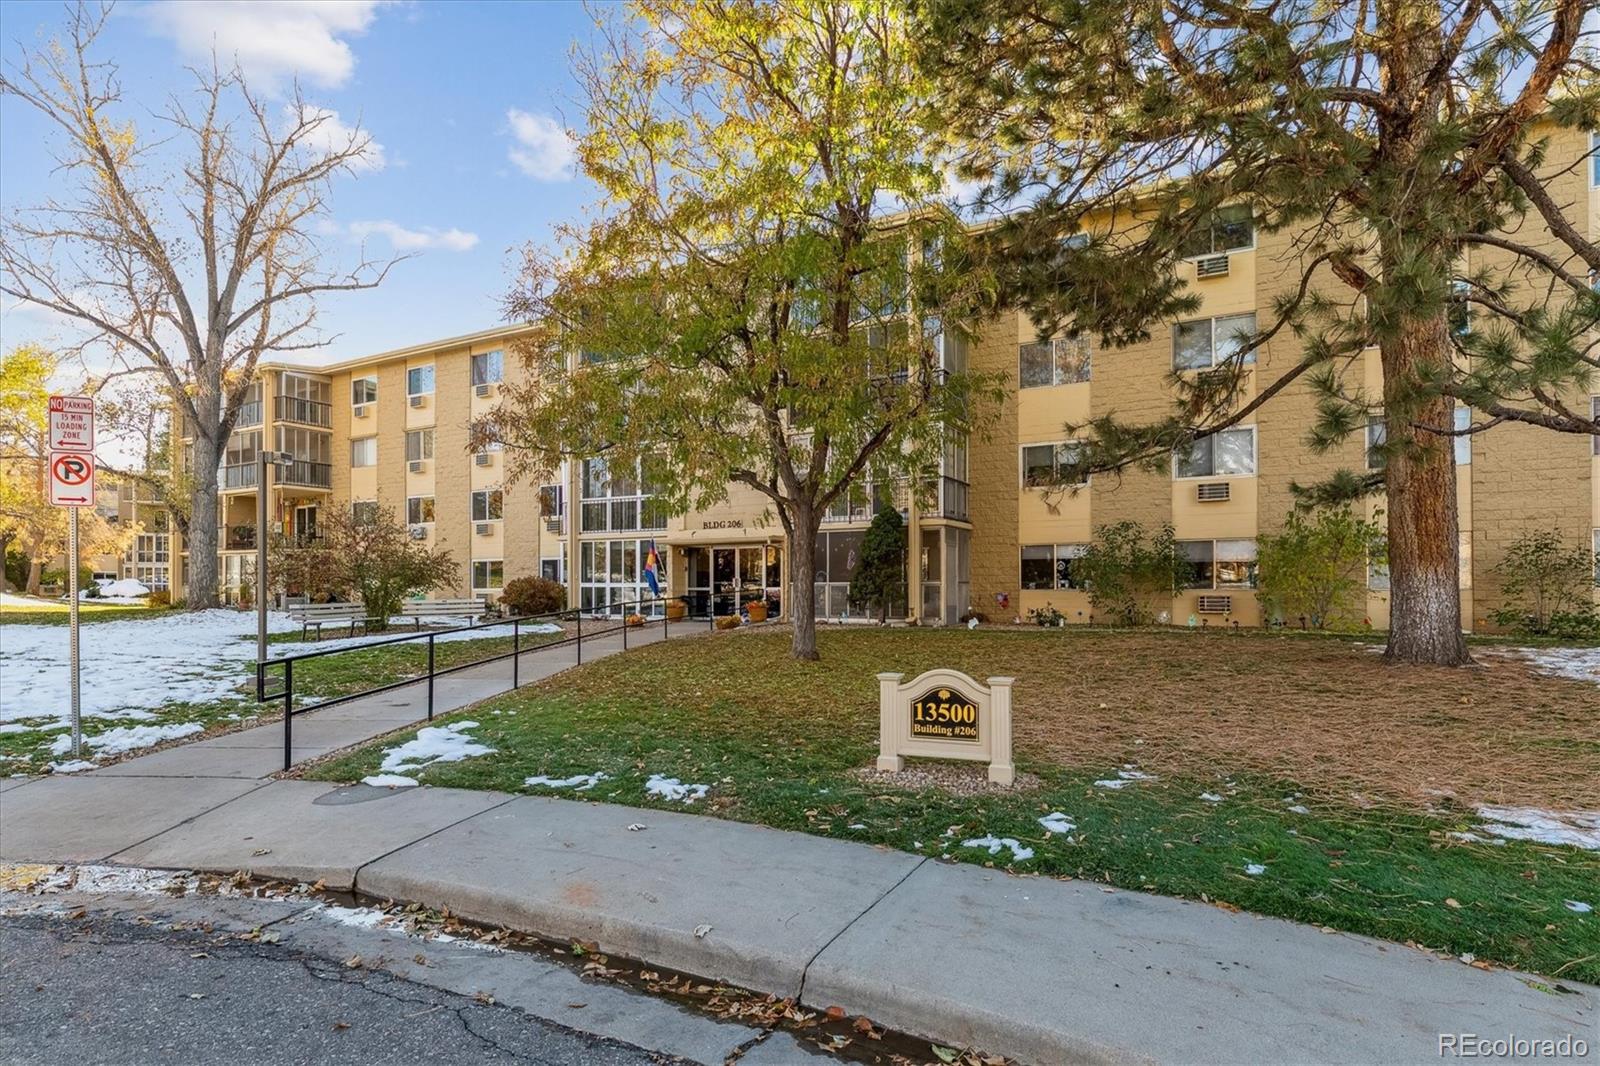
[[466, 101]]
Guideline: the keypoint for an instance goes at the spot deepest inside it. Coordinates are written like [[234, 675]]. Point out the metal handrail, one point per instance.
[[626, 608]]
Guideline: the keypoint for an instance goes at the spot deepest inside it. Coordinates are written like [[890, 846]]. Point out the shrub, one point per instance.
[[160, 598], [1046, 616], [879, 580], [1124, 568], [729, 621], [1315, 567], [1544, 578], [524, 596]]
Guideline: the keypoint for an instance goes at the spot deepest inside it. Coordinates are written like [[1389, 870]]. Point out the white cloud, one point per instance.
[[332, 134], [414, 240], [271, 40], [543, 149]]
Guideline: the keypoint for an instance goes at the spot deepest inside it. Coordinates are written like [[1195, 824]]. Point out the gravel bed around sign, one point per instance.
[[953, 778]]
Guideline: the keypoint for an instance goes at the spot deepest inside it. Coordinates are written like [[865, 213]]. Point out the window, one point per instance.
[[1377, 440], [1219, 564], [364, 512], [419, 510], [554, 568], [611, 574], [364, 451], [1209, 342], [363, 390], [1050, 566], [1463, 443], [1063, 361], [619, 497], [488, 368], [1228, 229], [419, 380], [1377, 576], [488, 574], [1226, 453], [1046, 465], [1460, 309], [419, 444], [486, 506]]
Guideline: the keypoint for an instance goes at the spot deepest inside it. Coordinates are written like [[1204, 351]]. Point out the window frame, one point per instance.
[[356, 442], [1055, 464], [432, 380], [424, 437], [1255, 457], [431, 510], [355, 511], [487, 563], [1217, 558], [1211, 229], [1083, 365], [1249, 358], [1058, 554], [499, 364], [365, 379], [493, 495]]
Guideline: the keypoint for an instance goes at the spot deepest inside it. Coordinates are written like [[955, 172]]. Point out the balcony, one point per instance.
[[628, 514], [239, 539], [306, 474], [240, 476], [249, 415], [305, 412], [952, 501]]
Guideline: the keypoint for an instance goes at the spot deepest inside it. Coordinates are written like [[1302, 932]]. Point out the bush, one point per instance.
[[1315, 568], [1047, 616], [160, 598], [1544, 578], [879, 581], [524, 596], [1124, 569]]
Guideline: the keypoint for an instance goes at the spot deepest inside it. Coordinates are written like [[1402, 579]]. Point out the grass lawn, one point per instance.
[[88, 611], [1343, 778]]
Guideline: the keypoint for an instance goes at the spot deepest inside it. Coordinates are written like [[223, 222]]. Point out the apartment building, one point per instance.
[[988, 536]]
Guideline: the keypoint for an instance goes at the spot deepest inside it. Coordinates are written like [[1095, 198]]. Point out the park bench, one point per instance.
[[320, 614], [428, 609]]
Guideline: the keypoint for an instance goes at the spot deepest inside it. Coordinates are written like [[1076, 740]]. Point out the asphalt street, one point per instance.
[[102, 990]]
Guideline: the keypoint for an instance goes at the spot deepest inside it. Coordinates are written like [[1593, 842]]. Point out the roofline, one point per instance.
[[426, 347]]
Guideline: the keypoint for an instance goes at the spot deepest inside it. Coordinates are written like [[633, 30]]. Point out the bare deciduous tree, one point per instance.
[[186, 254]]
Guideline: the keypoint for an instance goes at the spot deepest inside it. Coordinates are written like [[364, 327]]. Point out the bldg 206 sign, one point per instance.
[[944, 714]]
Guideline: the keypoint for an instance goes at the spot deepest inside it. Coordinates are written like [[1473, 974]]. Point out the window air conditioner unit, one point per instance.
[[419, 401], [361, 410], [484, 529], [1211, 491], [483, 391], [1215, 605], [483, 459], [554, 523], [417, 466], [419, 532], [1212, 266]]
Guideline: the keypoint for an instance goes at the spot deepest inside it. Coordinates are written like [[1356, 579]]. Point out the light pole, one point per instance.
[[267, 462]]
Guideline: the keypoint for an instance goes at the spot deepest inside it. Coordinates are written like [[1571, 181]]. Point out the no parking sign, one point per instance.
[[72, 479]]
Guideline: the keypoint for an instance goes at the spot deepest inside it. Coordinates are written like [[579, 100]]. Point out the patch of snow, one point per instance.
[[577, 782], [389, 781], [1125, 777], [1297, 808], [993, 844], [1577, 906], [72, 766], [131, 666], [355, 917], [126, 590], [1211, 797], [1056, 822], [856, 825], [128, 738], [1578, 829], [1254, 869], [1580, 664], [433, 744], [671, 789]]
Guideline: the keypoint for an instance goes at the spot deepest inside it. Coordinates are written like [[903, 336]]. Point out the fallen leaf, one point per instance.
[[1452, 904], [577, 1006], [634, 827], [261, 851], [945, 1054], [341, 1025], [863, 1024], [353, 962], [836, 1014], [700, 931]]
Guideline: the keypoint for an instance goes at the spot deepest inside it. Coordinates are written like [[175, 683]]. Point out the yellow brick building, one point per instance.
[[391, 428]]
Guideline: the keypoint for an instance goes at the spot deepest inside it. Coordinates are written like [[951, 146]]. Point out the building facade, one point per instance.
[[989, 536]]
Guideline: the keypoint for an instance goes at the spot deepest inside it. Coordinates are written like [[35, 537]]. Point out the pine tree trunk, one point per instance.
[[802, 591], [1424, 544], [201, 588]]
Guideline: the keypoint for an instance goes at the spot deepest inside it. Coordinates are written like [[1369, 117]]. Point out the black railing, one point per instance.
[[622, 616], [306, 412], [305, 472]]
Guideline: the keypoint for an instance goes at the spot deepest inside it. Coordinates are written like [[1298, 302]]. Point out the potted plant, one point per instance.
[[757, 610], [677, 610], [728, 621]]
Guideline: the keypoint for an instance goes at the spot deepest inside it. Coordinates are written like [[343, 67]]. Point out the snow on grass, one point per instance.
[[673, 790], [577, 782], [1577, 906], [1125, 777], [1211, 797], [1580, 664], [1254, 869], [72, 766], [993, 844], [130, 667], [389, 781], [1056, 822], [1578, 829], [445, 743]]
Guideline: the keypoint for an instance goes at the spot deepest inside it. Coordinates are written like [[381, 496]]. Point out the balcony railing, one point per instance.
[[249, 415], [628, 514], [952, 502], [305, 473], [305, 412], [241, 476], [239, 538], [858, 506]]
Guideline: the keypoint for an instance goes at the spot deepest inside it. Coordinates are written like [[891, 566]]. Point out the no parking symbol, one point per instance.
[[71, 479]]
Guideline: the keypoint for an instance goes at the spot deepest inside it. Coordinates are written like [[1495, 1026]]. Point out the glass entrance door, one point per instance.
[[724, 580]]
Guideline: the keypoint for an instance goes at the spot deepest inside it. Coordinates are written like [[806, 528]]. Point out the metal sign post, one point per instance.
[[71, 477]]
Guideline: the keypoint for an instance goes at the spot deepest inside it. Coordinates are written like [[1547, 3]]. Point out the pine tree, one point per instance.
[[1387, 140], [880, 579]]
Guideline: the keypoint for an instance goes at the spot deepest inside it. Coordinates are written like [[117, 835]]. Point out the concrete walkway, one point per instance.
[[1043, 970]]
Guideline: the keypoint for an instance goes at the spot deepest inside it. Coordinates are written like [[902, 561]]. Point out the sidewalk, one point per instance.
[[1043, 970]]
